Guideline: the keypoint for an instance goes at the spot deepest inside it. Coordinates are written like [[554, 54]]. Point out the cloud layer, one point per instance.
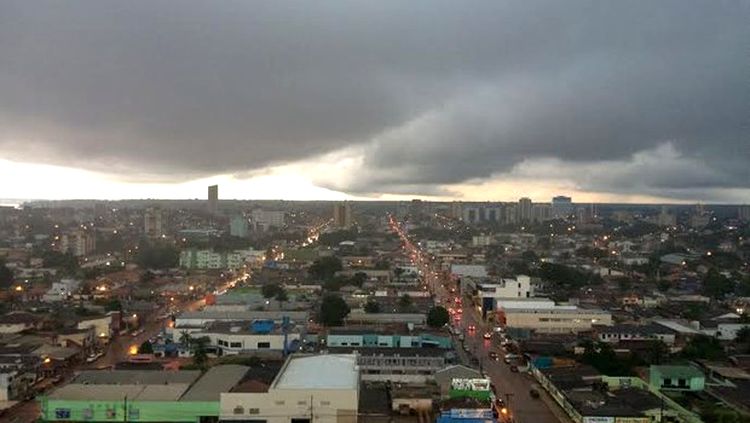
[[618, 97]]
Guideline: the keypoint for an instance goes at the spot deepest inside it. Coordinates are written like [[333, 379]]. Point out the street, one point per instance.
[[512, 387]]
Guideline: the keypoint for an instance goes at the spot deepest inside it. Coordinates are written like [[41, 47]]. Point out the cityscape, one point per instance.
[[417, 211]]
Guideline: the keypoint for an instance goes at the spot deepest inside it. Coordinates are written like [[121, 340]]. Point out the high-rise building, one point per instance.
[[665, 218], [153, 222], [456, 211], [213, 199], [238, 226], [562, 207], [743, 213], [525, 210], [80, 242], [342, 215], [265, 219]]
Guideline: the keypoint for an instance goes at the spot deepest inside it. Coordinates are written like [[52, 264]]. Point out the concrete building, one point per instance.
[[232, 338], [80, 242], [153, 222], [213, 199], [373, 338], [239, 226], [677, 378], [264, 220], [507, 288], [322, 388], [342, 215], [525, 210], [198, 320], [562, 207], [743, 213], [209, 259], [414, 366], [62, 290], [133, 395], [551, 318]]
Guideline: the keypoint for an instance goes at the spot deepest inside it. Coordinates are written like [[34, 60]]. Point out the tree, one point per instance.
[[6, 275], [333, 310], [716, 285], [157, 256], [200, 355], [146, 348], [657, 351], [185, 339], [437, 317], [703, 347], [281, 296], [405, 303], [398, 272], [358, 279], [372, 306], [324, 268], [270, 290], [113, 305]]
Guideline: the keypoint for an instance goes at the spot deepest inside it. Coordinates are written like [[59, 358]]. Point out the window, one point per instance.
[[253, 411], [236, 345], [301, 402], [344, 344], [325, 403], [264, 345], [62, 413], [300, 421], [280, 402], [239, 410], [667, 382]]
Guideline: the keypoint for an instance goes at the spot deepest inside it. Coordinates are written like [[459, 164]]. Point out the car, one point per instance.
[[487, 335], [472, 328], [493, 355], [534, 392], [514, 368]]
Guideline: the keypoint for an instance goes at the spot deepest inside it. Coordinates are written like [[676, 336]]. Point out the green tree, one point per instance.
[[146, 348], [405, 303], [281, 297], [6, 275], [200, 355], [113, 305], [333, 310], [325, 268], [270, 290], [602, 357], [657, 352], [716, 285], [437, 317], [703, 347], [372, 306], [157, 256]]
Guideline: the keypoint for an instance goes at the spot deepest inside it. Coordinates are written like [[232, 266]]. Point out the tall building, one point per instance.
[[213, 199], [238, 226], [79, 242], [266, 219], [562, 207], [665, 218], [153, 222], [456, 211], [342, 215], [743, 213], [525, 210]]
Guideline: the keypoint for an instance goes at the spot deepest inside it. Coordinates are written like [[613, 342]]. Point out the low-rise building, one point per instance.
[[546, 318], [323, 387], [387, 338], [677, 378], [232, 338]]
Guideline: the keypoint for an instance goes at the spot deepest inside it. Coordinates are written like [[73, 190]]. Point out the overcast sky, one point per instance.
[[481, 100]]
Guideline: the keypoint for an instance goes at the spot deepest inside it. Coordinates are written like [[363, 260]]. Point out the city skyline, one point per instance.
[[625, 103]]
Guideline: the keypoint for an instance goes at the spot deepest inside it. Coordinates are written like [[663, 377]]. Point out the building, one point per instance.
[[62, 290], [213, 199], [507, 288], [232, 338], [198, 320], [444, 377], [628, 333], [550, 318], [562, 207], [525, 210], [342, 215], [743, 213], [209, 259], [320, 388], [239, 226], [264, 220], [80, 242], [374, 338], [677, 378], [414, 366], [153, 222], [142, 395]]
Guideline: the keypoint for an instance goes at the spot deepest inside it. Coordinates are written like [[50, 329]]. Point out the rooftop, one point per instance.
[[217, 380], [135, 377], [330, 371]]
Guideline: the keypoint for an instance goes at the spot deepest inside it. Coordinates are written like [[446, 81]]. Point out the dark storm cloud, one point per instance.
[[434, 92]]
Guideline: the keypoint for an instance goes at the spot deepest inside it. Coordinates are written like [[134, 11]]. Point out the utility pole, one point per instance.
[[125, 410]]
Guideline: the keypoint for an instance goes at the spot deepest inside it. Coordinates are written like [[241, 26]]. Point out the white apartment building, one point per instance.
[[553, 319], [320, 388], [209, 259]]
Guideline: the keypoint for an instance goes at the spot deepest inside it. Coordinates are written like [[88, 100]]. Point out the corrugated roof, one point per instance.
[[217, 380]]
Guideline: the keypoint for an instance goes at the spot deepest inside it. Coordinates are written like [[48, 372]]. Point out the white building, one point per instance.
[[209, 259], [61, 290], [232, 338], [321, 388], [547, 317], [471, 270]]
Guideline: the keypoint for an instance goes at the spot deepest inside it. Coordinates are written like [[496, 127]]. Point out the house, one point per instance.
[[650, 332], [677, 378]]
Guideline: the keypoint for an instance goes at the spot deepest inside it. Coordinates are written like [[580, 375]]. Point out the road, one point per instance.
[[512, 387]]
